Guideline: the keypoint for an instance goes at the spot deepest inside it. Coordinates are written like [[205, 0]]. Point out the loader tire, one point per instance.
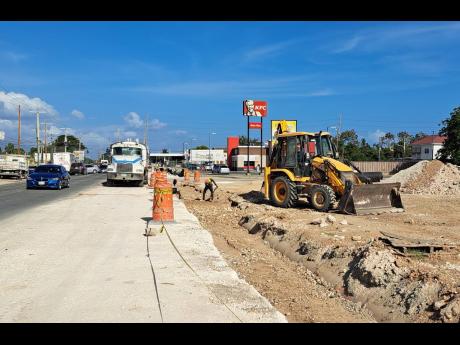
[[283, 192], [322, 197]]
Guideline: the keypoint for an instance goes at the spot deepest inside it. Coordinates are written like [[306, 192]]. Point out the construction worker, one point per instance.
[[208, 185], [176, 190]]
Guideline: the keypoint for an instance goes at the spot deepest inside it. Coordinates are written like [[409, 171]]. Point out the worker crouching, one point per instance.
[[209, 184]]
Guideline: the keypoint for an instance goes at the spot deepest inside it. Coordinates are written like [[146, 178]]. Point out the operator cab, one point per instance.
[[296, 150]]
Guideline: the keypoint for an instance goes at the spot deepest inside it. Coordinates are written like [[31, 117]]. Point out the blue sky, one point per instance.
[[191, 77]]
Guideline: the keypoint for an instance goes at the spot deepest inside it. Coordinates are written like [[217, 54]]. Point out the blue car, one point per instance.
[[49, 176]]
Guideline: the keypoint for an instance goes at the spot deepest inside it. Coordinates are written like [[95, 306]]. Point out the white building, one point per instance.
[[217, 156], [427, 147]]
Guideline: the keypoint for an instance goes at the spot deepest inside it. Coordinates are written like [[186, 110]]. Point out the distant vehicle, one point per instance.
[[12, 165], [66, 159], [191, 166], [220, 169], [92, 169], [78, 169], [129, 163], [104, 162], [103, 168], [49, 176], [208, 166]]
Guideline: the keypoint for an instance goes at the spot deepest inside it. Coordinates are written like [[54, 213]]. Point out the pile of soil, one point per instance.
[[429, 178]]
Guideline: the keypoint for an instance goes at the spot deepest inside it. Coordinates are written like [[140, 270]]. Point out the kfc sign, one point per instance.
[[254, 108], [255, 125]]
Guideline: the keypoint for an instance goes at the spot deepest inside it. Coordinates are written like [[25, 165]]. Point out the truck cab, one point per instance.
[[128, 163]]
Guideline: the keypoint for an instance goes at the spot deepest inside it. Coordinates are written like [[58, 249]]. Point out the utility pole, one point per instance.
[[339, 129], [38, 133], [19, 129], [46, 149], [65, 138], [118, 134], [146, 125]]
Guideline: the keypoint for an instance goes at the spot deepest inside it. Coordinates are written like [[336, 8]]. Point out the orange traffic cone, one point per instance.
[[196, 176], [186, 175], [152, 179], [163, 210]]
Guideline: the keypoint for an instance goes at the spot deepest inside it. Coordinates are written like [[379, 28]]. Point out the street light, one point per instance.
[[209, 148]]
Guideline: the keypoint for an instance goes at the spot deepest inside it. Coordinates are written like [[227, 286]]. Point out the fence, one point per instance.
[[384, 167]]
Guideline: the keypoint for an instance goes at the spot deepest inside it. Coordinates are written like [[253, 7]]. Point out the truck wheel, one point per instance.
[[321, 197], [109, 183], [283, 192]]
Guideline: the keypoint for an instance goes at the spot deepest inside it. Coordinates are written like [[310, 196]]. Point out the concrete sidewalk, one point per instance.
[[83, 259]]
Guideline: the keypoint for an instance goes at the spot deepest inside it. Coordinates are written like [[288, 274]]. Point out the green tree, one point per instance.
[[11, 149], [244, 141], [164, 151], [201, 147], [72, 144], [451, 129]]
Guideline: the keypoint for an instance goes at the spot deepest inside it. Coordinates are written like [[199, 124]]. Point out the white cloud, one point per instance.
[[133, 120], [374, 136], [13, 56], [78, 114], [348, 45], [156, 124], [129, 134], [321, 93], [269, 50], [9, 105], [179, 132]]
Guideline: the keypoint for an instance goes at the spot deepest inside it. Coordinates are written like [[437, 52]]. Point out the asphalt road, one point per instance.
[[15, 198]]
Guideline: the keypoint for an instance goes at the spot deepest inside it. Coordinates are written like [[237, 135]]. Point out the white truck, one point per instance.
[[129, 162], [64, 158], [13, 166]]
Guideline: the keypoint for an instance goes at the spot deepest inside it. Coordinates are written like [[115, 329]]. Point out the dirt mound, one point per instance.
[[436, 178], [404, 176], [377, 268], [429, 177]]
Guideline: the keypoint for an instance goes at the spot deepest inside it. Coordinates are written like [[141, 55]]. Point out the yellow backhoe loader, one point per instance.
[[305, 164]]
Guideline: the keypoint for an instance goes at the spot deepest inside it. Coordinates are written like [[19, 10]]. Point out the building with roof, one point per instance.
[[427, 147]]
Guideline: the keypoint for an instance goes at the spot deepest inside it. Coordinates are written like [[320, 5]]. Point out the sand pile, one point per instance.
[[429, 177]]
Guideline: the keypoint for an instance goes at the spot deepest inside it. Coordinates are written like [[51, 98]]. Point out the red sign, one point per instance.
[[254, 108], [255, 125]]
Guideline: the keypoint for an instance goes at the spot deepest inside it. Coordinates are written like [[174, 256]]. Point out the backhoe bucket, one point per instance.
[[371, 198]]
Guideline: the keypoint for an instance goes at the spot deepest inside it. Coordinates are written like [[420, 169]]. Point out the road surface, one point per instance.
[[15, 198], [82, 256]]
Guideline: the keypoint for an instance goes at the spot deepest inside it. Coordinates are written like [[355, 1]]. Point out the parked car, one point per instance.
[[208, 166], [103, 168], [220, 169], [78, 169], [48, 176], [92, 168]]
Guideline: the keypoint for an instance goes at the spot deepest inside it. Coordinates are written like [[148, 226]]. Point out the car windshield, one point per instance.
[[48, 169], [127, 151]]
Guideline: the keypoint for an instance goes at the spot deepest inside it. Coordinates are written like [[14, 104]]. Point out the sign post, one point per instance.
[[258, 109], [247, 161]]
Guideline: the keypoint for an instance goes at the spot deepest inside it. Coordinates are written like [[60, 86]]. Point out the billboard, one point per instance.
[[291, 126], [255, 125], [254, 108]]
